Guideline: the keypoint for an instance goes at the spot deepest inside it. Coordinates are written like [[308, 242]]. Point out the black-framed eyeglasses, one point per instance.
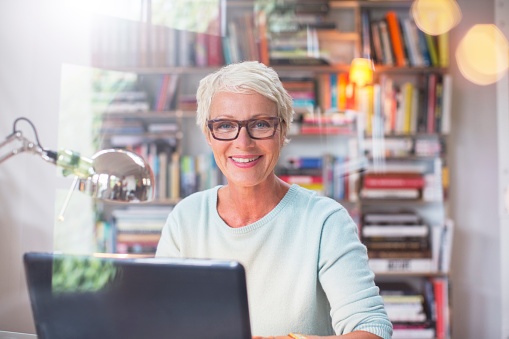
[[257, 128]]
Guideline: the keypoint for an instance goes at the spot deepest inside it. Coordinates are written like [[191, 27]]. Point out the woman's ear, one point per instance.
[[208, 136]]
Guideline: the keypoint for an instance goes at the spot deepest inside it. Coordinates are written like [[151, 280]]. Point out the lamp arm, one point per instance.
[[24, 145]]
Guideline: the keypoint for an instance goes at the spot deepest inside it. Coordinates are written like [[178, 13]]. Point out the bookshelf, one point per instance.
[[381, 150]]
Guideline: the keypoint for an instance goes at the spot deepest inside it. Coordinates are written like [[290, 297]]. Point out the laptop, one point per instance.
[[110, 298]]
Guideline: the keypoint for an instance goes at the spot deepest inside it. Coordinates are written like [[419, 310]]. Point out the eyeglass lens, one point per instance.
[[259, 128]]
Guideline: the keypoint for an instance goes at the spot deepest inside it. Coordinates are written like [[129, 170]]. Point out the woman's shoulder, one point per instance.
[[307, 196]]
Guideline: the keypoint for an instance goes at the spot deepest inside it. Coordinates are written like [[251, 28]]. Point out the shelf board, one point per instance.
[[173, 114]]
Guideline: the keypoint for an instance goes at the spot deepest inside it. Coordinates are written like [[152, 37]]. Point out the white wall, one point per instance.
[[36, 38], [474, 170]]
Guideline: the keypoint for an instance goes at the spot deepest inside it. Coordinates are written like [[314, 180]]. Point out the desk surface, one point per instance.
[[13, 335]]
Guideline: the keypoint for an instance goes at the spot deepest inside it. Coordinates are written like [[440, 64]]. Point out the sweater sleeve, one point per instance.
[[168, 245], [348, 281]]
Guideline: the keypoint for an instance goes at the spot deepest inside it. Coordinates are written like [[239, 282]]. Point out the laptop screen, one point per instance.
[[91, 297]]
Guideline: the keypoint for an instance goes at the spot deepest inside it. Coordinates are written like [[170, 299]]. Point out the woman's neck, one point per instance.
[[240, 206]]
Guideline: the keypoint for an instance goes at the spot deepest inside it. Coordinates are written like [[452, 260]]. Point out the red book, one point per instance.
[[396, 38], [214, 43], [432, 86], [438, 288], [394, 180], [262, 35]]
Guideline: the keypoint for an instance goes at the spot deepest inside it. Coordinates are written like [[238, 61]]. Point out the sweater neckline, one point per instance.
[[257, 224]]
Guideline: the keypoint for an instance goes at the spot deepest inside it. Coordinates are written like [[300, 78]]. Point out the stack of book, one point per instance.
[[329, 175], [397, 242], [303, 92], [392, 185], [407, 310], [138, 229], [304, 171], [292, 32], [329, 123]]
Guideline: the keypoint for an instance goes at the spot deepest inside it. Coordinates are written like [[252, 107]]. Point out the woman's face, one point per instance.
[[245, 161]]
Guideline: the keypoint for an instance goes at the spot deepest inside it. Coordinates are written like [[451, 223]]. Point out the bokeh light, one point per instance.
[[361, 71], [483, 54], [435, 17]]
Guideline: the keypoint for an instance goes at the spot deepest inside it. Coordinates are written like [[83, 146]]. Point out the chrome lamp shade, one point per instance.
[[119, 176]]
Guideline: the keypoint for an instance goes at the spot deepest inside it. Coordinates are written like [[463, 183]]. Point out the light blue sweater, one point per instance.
[[306, 269]]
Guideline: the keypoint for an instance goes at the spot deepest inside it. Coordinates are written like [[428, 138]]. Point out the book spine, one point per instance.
[[396, 38], [393, 182], [400, 265]]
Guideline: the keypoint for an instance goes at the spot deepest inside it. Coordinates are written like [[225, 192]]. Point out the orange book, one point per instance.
[[342, 91], [325, 94], [397, 43]]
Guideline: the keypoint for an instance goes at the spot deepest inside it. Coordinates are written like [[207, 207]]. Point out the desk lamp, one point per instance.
[[113, 174]]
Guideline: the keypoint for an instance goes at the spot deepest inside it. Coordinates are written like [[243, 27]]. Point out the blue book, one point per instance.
[[304, 162]]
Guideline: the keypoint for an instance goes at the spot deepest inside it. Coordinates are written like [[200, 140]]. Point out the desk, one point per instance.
[[13, 335]]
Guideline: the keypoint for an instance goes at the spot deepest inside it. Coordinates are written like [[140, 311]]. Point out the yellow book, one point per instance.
[[408, 96], [443, 50]]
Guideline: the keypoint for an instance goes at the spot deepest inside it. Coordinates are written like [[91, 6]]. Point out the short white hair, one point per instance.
[[244, 77]]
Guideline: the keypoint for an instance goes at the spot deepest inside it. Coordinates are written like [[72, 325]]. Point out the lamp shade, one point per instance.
[[119, 176]]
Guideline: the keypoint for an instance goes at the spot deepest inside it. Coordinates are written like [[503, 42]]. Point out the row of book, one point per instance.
[[124, 43], [418, 313], [403, 241], [421, 106], [393, 39], [418, 146], [330, 175], [335, 123]]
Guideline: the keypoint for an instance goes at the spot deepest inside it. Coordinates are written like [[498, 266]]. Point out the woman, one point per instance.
[[307, 271]]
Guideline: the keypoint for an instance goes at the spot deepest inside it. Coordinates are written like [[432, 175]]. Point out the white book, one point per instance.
[[395, 230], [399, 193], [401, 265], [391, 218], [446, 103], [446, 246], [413, 333]]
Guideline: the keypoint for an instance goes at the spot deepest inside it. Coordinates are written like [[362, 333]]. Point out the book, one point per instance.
[[413, 333], [446, 104], [446, 246], [394, 218], [303, 162], [396, 243], [393, 180], [390, 193], [401, 265], [399, 254], [396, 37], [411, 41], [377, 43], [386, 43], [370, 230], [302, 179]]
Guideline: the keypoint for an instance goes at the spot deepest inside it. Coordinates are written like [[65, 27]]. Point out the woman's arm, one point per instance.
[[352, 335]]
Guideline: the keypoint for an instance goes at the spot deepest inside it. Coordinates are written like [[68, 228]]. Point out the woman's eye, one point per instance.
[[225, 125], [261, 124]]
